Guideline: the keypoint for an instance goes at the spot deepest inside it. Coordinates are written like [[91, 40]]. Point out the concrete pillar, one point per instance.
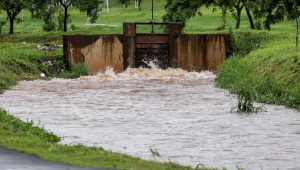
[[129, 32], [66, 49], [174, 33]]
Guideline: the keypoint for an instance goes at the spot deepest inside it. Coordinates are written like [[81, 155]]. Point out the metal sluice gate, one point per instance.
[[152, 48]]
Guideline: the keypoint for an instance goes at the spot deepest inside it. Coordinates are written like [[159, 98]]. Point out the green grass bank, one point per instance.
[[24, 137], [264, 67]]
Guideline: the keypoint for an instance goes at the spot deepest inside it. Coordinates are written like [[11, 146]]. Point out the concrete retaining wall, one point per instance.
[[97, 51], [198, 52], [192, 52]]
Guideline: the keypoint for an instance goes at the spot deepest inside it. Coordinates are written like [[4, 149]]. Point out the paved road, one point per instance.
[[13, 160]]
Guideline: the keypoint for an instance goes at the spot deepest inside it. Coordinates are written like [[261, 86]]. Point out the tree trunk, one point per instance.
[[11, 21], [250, 18], [65, 19], [238, 20]]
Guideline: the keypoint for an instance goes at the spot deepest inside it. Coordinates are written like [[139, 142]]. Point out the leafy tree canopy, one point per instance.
[[13, 8], [45, 10], [182, 10], [273, 11]]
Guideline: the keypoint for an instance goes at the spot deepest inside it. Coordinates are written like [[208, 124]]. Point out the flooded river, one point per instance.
[[180, 114]]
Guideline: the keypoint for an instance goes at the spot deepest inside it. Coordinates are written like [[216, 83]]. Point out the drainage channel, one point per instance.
[[178, 113]]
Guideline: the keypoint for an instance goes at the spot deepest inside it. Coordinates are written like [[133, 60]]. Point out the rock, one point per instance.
[[42, 75]]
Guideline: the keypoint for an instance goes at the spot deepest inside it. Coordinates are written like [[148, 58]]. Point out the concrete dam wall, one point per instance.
[[192, 52]]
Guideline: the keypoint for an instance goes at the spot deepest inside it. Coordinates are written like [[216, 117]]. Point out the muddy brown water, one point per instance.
[[180, 114]]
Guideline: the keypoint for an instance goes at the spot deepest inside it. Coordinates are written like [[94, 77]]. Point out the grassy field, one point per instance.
[[264, 67], [118, 14]]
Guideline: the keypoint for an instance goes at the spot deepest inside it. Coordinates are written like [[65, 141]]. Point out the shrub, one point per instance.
[[258, 25], [77, 70], [243, 43], [73, 27], [234, 76]]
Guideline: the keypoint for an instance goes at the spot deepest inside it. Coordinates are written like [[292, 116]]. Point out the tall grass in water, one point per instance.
[[250, 76], [239, 79], [234, 76]]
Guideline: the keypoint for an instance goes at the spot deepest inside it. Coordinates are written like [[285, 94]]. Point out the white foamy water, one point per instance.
[[178, 113]]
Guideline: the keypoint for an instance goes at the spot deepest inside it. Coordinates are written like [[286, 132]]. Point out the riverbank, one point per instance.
[[23, 137], [264, 68]]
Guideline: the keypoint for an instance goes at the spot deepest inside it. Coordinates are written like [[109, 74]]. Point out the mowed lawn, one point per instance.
[[112, 22]]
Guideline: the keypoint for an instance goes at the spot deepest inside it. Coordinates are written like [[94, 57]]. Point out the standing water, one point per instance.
[[178, 113]]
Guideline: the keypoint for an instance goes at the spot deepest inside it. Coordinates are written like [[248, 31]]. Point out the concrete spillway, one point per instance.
[[192, 52]]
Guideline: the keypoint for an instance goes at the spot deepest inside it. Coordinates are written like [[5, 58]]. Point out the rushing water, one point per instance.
[[180, 114]]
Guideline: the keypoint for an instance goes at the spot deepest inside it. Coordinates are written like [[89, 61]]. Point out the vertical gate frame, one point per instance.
[[129, 45]]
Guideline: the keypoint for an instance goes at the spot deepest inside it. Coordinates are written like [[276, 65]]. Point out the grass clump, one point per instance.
[[243, 42], [76, 71], [9, 122], [234, 76]]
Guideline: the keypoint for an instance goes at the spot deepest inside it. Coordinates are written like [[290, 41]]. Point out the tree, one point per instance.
[[238, 5], [45, 9], [13, 8], [273, 11], [182, 10], [126, 3], [1, 22], [66, 4], [91, 7]]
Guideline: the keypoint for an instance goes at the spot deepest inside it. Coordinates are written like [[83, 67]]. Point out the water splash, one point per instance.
[[151, 73]]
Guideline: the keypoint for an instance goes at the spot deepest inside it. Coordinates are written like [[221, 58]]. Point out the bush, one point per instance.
[[77, 70], [258, 25], [243, 43], [73, 27], [234, 76], [49, 26]]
